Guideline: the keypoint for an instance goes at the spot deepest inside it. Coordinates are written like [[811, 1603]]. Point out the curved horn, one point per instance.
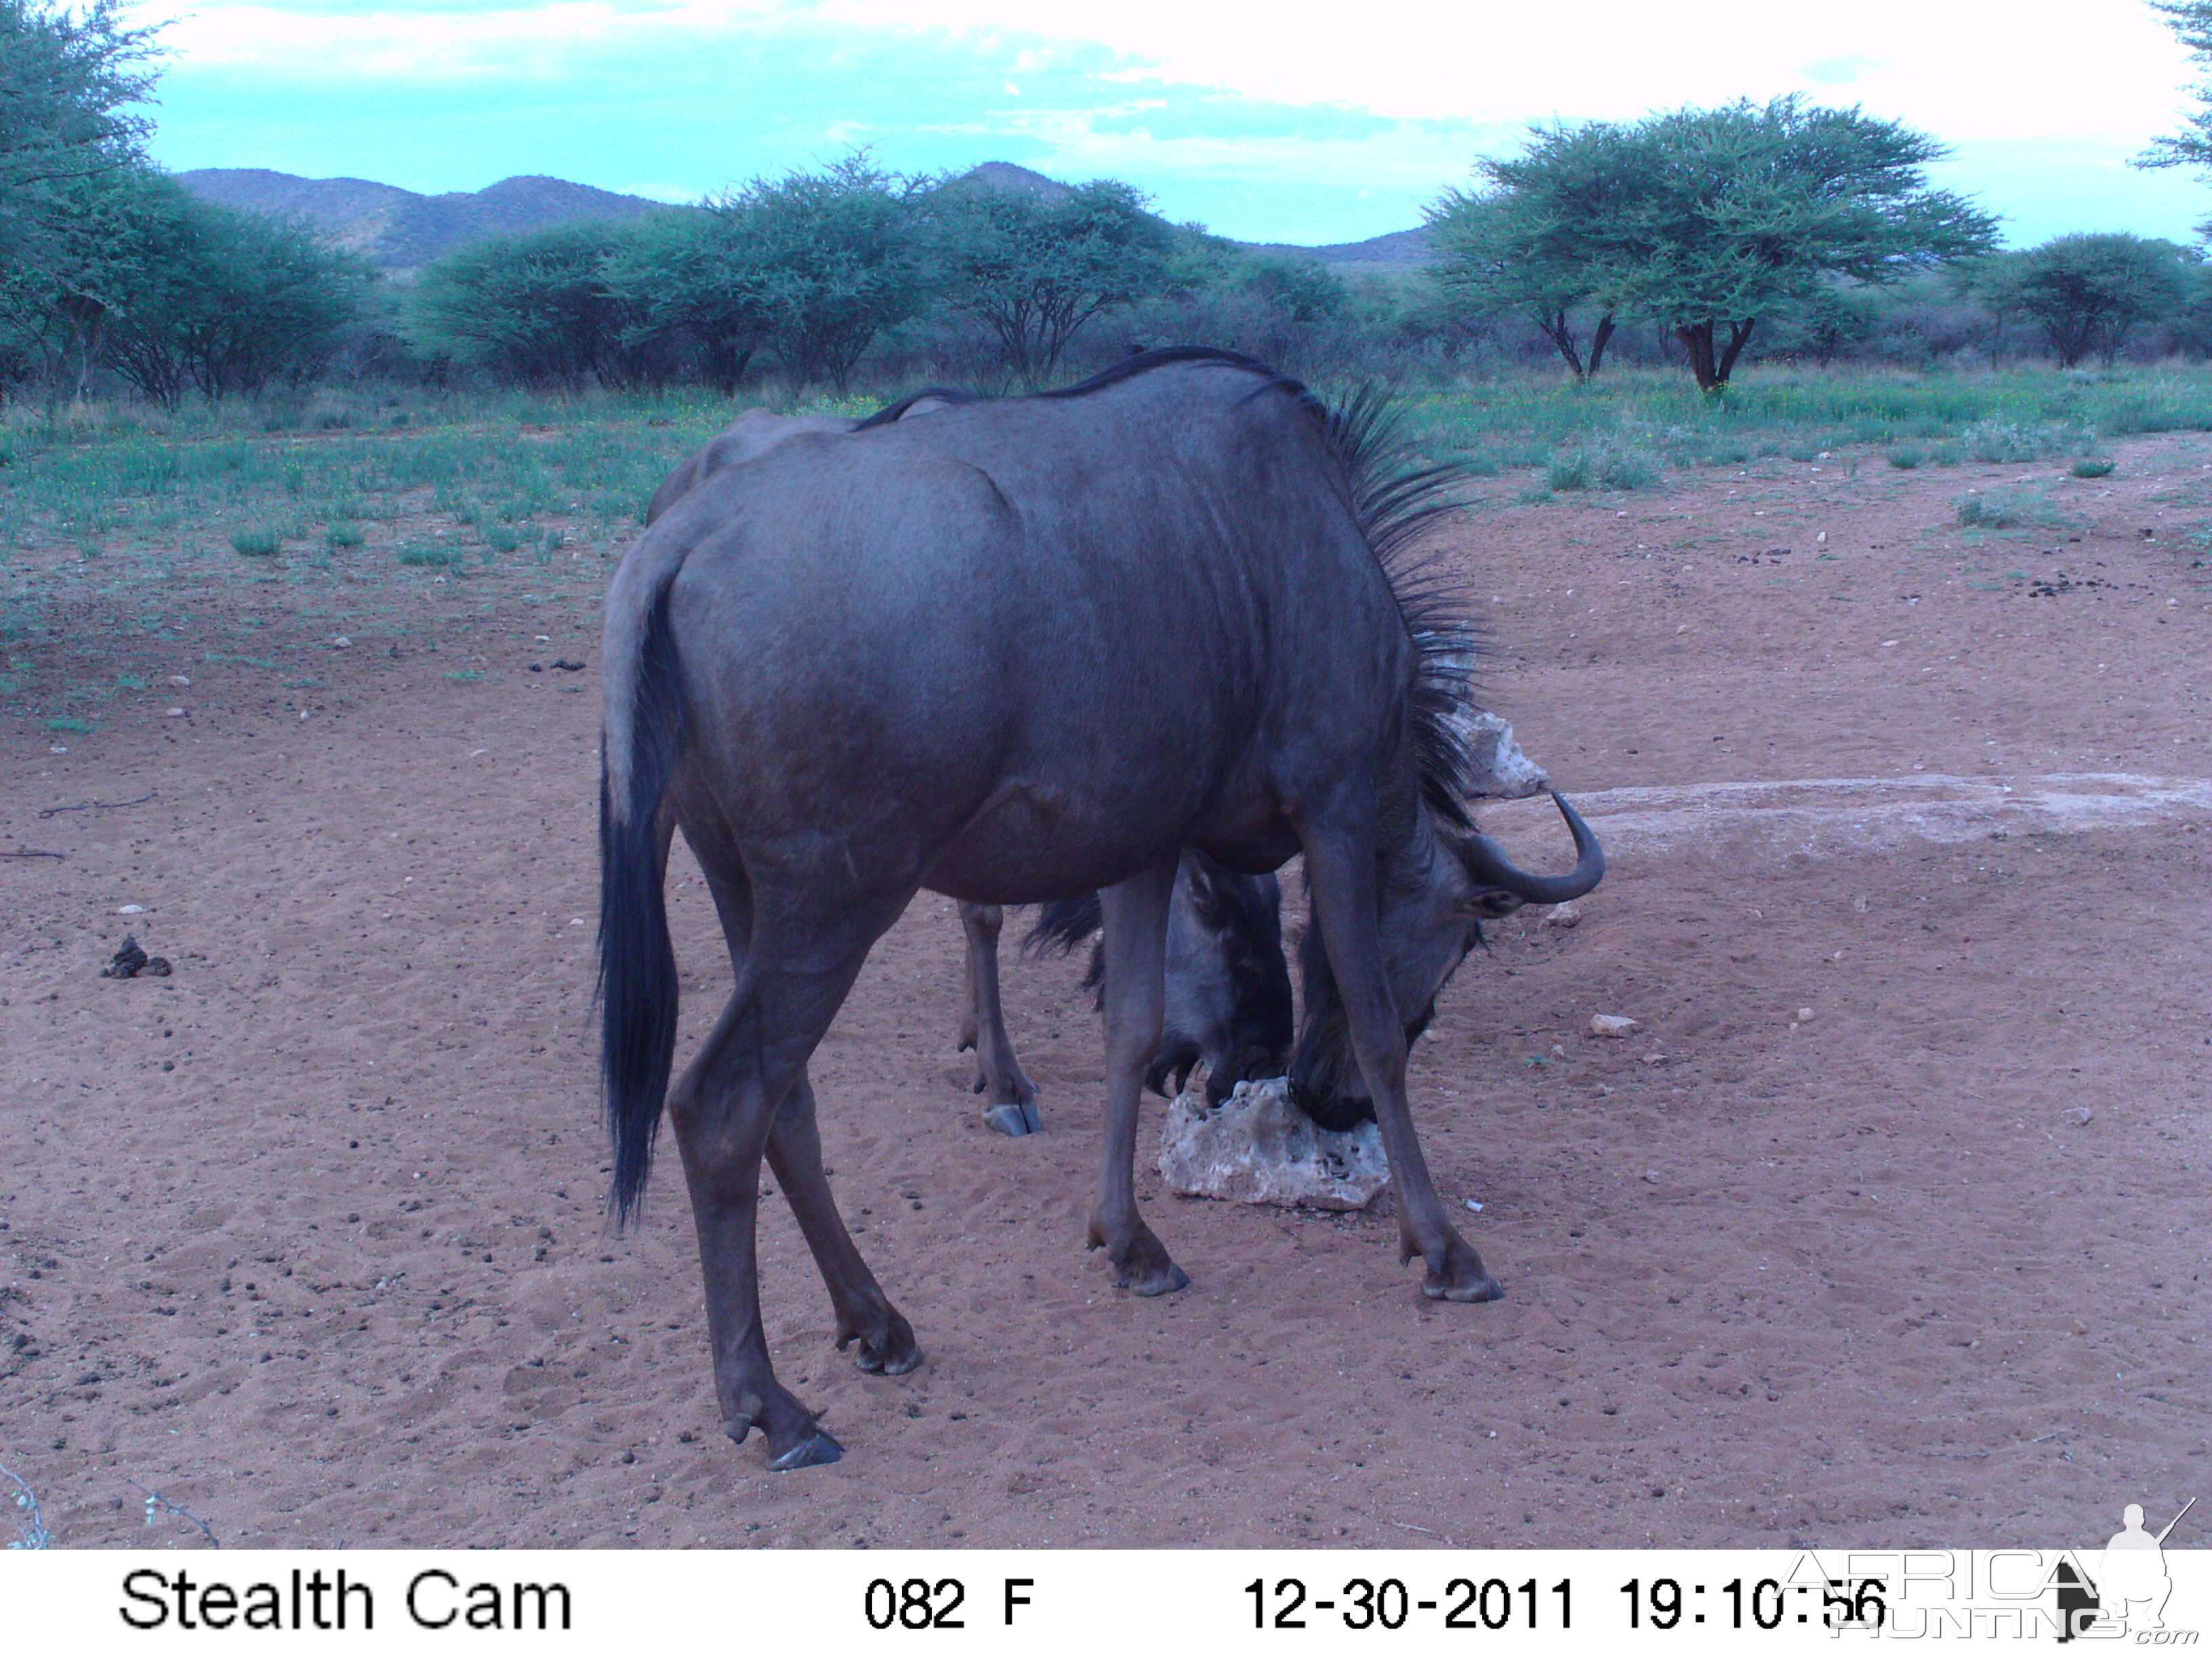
[[1487, 863]]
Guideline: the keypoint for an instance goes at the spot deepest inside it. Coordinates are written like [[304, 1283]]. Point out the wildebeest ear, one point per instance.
[[1488, 904], [1206, 894]]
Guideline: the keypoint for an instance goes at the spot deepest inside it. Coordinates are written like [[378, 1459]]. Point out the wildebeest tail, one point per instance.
[[1061, 926], [637, 967]]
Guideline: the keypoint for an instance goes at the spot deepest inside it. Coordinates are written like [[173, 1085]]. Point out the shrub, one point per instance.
[[255, 544], [2089, 468], [342, 535], [2009, 509], [428, 553], [1905, 457]]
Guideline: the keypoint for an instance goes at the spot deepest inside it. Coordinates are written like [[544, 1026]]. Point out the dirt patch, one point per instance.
[[1885, 1227]]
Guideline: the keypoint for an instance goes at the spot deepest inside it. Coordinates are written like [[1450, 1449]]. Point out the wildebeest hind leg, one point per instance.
[[865, 1314], [1135, 914], [1013, 1110], [723, 1112]]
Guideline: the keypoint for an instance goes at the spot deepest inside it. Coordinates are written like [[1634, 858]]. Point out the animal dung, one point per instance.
[[1613, 1026], [1258, 1148], [130, 962]]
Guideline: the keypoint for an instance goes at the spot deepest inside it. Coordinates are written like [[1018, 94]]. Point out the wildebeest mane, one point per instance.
[[890, 414], [1395, 497]]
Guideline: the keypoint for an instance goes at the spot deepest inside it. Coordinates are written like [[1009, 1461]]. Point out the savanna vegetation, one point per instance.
[[1697, 239]]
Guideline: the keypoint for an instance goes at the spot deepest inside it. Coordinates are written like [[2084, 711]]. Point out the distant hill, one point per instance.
[[1396, 250], [399, 230]]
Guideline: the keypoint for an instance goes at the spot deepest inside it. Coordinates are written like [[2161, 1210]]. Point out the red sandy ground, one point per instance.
[[339, 1277]]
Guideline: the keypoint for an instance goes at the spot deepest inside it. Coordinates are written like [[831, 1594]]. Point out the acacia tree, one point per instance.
[[2088, 292], [537, 308], [66, 81], [2191, 23], [1036, 270], [701, 275], [1705, 221], [841, 258], [1526, 243]]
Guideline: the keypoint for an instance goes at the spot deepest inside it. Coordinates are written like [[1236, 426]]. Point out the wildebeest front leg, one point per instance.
[[1013, 1110], [1341, 870], [1135, 914], [865, 1314]]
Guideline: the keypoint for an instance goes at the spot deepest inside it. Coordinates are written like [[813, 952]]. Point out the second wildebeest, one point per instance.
[[1228, 989], [1026, 648]]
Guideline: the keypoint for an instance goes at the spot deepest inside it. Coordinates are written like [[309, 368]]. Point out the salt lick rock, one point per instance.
[[1501, 771], [1260, 1149]]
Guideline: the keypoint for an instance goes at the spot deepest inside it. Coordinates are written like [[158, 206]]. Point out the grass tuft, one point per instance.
[[255, 544]]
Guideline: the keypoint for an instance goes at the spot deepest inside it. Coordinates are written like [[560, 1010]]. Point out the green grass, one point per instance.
[[2011, 509], [522, 502], [2089, 467]]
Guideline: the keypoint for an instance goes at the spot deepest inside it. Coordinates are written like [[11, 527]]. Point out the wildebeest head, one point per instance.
[[1430, 916], [1228, 984]]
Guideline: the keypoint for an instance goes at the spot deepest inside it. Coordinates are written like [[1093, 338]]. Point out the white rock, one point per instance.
[[1804, 1015], [1500, 770], [1564, 915], [1260, 1149], [1613, 1026], [129, 909], [180, 679]]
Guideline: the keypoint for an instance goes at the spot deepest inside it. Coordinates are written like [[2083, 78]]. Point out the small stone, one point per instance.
[[1564, 915], [180, 679], [129, 909], [1859, 903], [174, 713], [2077, 1115], [1654, 1060], [1559, 1051], [341, 639], [1804, 1015], [1260, 1149], [1652, 1176], [1613, 1026], [1474, 1204]]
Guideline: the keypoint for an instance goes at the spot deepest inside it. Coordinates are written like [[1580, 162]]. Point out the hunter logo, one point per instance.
[[2129, 1592]]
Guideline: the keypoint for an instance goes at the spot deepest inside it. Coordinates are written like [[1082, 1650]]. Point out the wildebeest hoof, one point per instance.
[[1141, 1263], [1481, 1288], [1460, 1276], [888, 1352], [1153, 1281], [817, 1448], [1012, 1117]]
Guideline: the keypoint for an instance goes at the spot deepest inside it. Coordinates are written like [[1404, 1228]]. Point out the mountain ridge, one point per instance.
[[402, 230]]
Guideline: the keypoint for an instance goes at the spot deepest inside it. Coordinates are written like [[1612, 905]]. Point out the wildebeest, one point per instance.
[[1226, 1001], [1228, 996], [1024, 649]]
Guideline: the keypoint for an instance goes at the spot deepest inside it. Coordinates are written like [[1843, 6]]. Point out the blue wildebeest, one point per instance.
[[1022, 650], [1227, 985]]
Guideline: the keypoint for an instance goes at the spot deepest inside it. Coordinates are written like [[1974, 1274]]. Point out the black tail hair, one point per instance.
[[637, 966], [1061, 926]]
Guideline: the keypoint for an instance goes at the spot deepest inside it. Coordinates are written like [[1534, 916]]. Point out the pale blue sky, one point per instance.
[[1287, 122]]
